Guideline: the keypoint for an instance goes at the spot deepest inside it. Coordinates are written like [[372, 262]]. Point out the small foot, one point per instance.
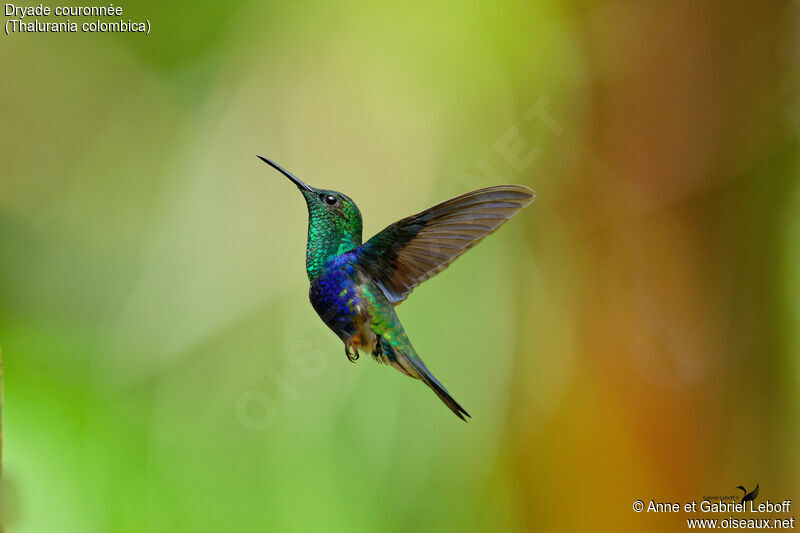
[[353, 357]]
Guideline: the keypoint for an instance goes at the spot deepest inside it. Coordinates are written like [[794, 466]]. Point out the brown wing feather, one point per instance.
[[416, 248]]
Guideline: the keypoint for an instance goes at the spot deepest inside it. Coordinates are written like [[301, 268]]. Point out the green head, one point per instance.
[[334, 222]]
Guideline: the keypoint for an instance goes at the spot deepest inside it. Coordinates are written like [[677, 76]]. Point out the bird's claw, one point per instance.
[[353, 357]]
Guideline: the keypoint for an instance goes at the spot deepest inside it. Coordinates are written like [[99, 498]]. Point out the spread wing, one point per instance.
[[416, 248]]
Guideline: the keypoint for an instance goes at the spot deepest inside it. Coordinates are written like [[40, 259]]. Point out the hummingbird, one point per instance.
[[355, 286]]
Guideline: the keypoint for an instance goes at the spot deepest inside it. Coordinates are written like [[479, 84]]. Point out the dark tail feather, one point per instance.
[[426, 376]]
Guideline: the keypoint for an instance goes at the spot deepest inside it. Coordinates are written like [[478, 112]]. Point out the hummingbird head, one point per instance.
[[334, 221], [333, 214]]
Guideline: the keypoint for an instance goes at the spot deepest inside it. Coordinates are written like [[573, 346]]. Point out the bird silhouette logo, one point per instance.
[[748, 496]]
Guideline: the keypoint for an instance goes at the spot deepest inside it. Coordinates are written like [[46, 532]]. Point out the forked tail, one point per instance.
[[414, 367]]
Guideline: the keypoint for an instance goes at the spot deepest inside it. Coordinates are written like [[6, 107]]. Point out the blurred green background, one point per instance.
[[631, 335]]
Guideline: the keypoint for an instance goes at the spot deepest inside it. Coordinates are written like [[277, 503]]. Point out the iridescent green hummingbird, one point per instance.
[[355, 286]]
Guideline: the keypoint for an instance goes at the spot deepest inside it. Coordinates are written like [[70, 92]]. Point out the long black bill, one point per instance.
[[300, 185]]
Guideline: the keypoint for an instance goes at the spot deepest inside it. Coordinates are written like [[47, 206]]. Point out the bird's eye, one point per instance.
[[330, 199]]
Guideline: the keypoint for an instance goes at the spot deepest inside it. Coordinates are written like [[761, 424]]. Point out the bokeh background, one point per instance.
[[631, 335]]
